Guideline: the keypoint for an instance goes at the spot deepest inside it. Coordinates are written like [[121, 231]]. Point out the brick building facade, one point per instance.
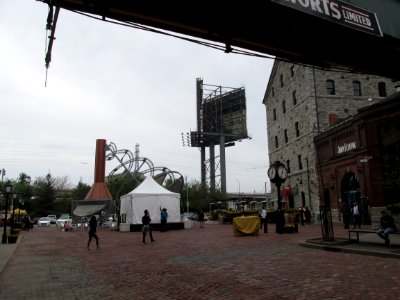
[[359, 158], [300, 103]]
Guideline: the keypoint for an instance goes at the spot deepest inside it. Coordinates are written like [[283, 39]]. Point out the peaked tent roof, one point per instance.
[[150, 186]]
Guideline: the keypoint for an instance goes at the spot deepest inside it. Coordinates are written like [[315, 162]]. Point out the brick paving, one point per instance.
[[194, 263]]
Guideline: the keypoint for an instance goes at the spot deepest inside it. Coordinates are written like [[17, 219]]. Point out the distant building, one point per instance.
[[301, 102]]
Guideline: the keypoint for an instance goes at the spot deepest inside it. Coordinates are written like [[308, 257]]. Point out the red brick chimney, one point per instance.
[[99, 190]]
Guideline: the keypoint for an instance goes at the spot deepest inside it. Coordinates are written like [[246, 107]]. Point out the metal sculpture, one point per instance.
[[132, 168]]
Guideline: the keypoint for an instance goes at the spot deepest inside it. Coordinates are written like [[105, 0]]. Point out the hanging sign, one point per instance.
[[339, 12]]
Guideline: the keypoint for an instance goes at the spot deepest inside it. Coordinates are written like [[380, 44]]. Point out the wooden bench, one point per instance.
[[357, 231]]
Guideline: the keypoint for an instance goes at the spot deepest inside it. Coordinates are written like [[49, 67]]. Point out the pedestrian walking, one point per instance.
[[146, 229], [201, 219], [307, 215], [356, 216], [164, 218], [346, 215], [263, 215], [302, 216], [92, 232]]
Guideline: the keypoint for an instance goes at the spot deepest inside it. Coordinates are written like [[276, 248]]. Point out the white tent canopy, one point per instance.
[[151, 196]]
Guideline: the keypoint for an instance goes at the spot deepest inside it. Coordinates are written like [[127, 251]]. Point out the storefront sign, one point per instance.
[[339, 12], [346, 147]]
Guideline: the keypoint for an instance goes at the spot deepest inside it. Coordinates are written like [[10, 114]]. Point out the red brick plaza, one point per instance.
[[194, 263]]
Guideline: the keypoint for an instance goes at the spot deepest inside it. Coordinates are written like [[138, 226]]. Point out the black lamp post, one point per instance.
[[7, 191], [13, 214]]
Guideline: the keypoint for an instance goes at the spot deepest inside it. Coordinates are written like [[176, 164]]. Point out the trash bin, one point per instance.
[[188, 224]]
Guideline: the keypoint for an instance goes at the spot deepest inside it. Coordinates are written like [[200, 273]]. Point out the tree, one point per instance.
[[198, 196], [44, 195], [80, 191]]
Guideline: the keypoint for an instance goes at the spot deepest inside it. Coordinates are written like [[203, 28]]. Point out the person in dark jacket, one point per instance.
[[201, 219], [92, 232], [387, 226], [146, 229]]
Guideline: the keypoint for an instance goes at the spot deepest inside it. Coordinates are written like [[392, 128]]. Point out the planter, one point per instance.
[[12, 239], [15, 231]]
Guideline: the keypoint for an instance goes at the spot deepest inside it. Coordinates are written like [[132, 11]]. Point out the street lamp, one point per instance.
[[238, 186], [7, 190], [13, 209]]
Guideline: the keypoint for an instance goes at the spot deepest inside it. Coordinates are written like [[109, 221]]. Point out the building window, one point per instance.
[[382, 89], [283, 106], [296, 126], [286, 136], [292, 71], [330, 87], [273, 92], [274, 114], [276, 142], [281, 79], [300, 163], [288, 166], [356, 88], [294, 98]]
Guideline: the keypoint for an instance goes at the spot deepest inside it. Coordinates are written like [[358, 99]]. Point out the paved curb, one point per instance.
[[7, 251], [346, 247]]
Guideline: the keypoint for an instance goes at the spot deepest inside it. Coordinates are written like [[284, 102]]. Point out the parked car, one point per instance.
[[53, 219], [44, 222], [62, 219], [189, 216]]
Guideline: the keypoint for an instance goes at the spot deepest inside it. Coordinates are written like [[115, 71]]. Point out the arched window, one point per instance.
[[356, 88], [283, 106], [281, 79], [330, 87], [276, 142], [292, 71], [274, 114]]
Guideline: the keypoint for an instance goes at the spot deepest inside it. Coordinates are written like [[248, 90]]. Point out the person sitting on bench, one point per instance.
[[387, 227]]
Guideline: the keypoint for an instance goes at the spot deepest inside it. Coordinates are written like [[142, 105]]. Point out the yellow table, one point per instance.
[[249, 225]]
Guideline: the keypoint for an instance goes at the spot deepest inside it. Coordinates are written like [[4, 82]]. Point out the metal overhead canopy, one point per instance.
[[304, 31]]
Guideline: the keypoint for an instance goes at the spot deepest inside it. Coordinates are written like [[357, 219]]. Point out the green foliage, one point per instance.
[[230, 214], [45, 195], [80, 191], [198, 196]]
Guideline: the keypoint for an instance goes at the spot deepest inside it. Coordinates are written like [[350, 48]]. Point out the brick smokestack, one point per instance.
[[99, 190]]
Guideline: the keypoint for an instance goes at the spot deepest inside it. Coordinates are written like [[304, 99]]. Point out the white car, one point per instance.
[[44, 222], [53, 219], [63, 219]]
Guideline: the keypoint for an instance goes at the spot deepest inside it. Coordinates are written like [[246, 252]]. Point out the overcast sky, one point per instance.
[[124, 85]]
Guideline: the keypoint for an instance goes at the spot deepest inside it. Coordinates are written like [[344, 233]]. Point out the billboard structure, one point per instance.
[[221, 120]]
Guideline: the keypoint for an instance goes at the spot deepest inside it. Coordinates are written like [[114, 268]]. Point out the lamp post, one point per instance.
[[239, 187], [7, 190], [13, 214]]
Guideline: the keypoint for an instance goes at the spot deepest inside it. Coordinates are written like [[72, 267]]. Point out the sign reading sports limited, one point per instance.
[[338, 12]]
